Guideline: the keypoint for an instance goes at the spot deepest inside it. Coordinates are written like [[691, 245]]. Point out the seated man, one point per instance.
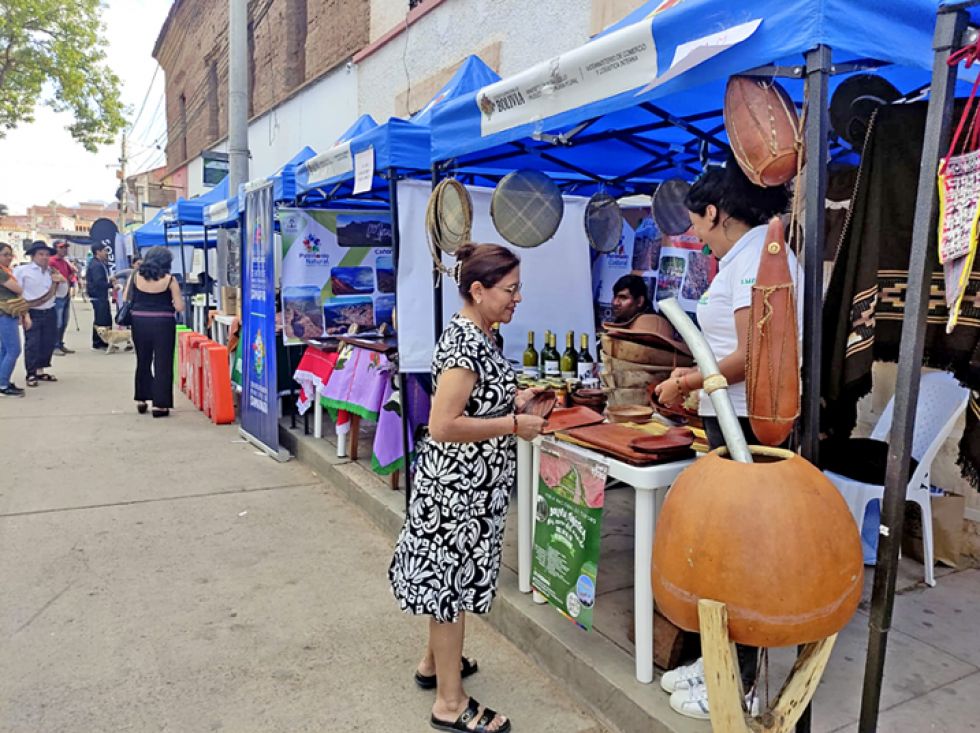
[[630, 298]]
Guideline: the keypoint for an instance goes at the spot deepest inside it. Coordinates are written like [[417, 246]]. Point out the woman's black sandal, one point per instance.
[[31, 381], [161, 411], [141, 408], [428, 681], [467, 716], [46, 378]]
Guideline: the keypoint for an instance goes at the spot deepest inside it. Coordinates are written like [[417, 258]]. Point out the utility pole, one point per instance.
[[237, 114], [124, 198]]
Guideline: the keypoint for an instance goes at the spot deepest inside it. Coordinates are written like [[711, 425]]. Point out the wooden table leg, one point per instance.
[[355, 433]]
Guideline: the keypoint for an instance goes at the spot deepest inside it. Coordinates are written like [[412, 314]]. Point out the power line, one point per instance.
[[145, 97]]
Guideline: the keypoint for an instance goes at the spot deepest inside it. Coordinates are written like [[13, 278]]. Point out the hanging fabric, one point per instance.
[[959, 196]]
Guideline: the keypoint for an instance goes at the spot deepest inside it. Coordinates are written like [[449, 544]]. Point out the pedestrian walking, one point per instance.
[[99, 282], [447, 558], [39, 283], [63, 295], [13, 310], [156, 300]]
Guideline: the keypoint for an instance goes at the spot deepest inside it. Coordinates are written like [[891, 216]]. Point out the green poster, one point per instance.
[[568, 524]]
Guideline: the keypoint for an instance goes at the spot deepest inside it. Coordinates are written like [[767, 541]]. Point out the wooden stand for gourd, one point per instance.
[[724, 681], [721, 669]]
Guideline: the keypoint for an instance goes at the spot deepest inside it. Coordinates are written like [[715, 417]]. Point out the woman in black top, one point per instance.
[[155, 302]]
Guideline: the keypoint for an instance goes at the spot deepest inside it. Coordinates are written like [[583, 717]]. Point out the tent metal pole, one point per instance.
[[818, 69], [949, 30], [207, 286], [183, 275], [437, 290], [402, 381]]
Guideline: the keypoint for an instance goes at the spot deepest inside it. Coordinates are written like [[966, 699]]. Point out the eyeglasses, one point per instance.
[[512, 290]]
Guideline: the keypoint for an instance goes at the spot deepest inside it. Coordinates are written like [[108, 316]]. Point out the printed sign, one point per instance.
[[260, 411], [334, 162], [337, 271], [363, 170], [568, 524]]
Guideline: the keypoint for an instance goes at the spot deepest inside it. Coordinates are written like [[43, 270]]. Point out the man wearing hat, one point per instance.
[[40, 283], [62, 297], [98, 283]]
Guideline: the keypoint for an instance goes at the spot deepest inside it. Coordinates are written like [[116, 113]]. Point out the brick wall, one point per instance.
[[293, 42]]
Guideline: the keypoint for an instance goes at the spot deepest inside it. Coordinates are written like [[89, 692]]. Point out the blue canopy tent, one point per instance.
[[154, 234], [643, 100]]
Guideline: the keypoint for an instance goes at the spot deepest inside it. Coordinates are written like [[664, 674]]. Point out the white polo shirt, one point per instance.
[[36, 283], [731, 290]]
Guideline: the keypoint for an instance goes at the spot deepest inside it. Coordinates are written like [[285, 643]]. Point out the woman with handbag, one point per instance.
[[151, 303], [13, 312]]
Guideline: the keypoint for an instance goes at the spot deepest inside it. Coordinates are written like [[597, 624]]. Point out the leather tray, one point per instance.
[[615, 440], [567, 418], [542, 404], [673, 439]]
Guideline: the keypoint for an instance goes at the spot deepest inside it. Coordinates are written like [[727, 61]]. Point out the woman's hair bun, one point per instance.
[[464, 252]]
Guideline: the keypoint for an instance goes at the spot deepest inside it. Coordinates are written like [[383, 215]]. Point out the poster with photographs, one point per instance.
[[337, 271], [684, 271]]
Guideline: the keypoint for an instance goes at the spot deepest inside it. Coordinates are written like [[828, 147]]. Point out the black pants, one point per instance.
[[39, 339], [748, 656], [154, 338], [103, 317]]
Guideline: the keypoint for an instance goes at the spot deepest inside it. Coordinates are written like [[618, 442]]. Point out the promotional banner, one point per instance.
[[337, 271], [567, 530], [260, 411]]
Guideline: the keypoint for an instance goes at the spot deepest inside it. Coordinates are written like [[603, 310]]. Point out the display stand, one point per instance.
[[724, 681]]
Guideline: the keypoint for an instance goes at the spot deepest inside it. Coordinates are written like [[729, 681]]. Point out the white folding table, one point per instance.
[[649, 484]]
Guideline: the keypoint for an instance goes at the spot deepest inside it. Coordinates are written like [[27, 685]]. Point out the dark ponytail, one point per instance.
[[730, 191]]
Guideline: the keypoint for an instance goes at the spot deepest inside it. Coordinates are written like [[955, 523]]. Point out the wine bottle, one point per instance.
[[586, 364], [532, 363], [497, 336], [569, 359], [550, 358]]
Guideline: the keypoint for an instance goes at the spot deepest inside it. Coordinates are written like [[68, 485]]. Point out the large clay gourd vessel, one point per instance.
[[772, 540], [763, 129]]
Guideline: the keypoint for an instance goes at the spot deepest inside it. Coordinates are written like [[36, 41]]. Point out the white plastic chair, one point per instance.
[[941, 401]]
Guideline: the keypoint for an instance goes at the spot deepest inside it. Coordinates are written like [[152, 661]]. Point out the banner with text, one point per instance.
[[337, 271], [571, 492], [260, 412]]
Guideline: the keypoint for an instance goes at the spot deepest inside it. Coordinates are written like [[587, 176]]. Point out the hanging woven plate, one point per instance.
[[603, 222], [669, 210], [526, 208], [453, 215]]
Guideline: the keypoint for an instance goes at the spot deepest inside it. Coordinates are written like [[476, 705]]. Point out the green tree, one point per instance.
[[51, 52]]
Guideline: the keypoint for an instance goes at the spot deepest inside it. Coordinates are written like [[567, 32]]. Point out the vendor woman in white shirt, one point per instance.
[[730, 215]]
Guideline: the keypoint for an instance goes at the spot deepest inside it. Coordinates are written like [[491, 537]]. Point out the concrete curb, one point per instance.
[[592, 667]]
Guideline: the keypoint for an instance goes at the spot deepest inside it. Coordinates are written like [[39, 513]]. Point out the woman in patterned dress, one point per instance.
[[448, 554]]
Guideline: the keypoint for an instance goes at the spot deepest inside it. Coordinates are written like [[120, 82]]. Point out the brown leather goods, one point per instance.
[[567, 418], [603, 222], [541, 404], [773, 540], [594, 399], [629, 413], [650, 329], [772, 370], [526, 208], [673, 439], [619, 348], [615, 440], [763, 129]]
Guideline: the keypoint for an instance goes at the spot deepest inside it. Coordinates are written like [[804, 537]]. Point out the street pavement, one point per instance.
[[162, 575]]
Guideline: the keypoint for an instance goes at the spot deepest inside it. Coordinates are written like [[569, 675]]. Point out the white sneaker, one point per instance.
[[683, 678], [693, 703]]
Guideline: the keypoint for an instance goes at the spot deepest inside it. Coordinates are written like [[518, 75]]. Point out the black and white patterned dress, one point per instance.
[[448, 554]]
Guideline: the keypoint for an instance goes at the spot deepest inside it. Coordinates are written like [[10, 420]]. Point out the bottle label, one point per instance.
[[532, 372], [568, 375], [586, 370], [552, 369]]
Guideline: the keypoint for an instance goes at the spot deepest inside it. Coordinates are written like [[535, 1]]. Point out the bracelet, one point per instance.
[[515, 422]]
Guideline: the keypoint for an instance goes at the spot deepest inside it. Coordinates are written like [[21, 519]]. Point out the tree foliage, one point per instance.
[[51, 52]]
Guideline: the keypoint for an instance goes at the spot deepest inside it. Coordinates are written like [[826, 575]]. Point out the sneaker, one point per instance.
[[11, 391], [683, 678], [693, 703], [58, 351], [67, 350]]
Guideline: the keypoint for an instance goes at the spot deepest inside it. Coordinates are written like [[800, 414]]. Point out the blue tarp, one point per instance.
[[972, 9], [191, 211], [284, 181], [398, 143], [152, 233], [614, 125]]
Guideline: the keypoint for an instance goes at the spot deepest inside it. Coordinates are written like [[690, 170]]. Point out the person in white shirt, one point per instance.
[[40, 283], [730, 215]]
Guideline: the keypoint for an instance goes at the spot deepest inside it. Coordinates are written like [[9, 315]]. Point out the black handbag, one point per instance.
[[124, 315]]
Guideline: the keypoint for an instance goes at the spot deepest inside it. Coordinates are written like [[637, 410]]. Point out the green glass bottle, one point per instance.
[[550, 359], [532, 362], [586, 364], [569, 359]]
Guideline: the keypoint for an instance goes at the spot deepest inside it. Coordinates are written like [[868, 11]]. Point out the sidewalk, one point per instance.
[[160, 575]]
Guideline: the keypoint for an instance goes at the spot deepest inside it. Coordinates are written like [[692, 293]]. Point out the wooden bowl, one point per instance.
[[629, 413]]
